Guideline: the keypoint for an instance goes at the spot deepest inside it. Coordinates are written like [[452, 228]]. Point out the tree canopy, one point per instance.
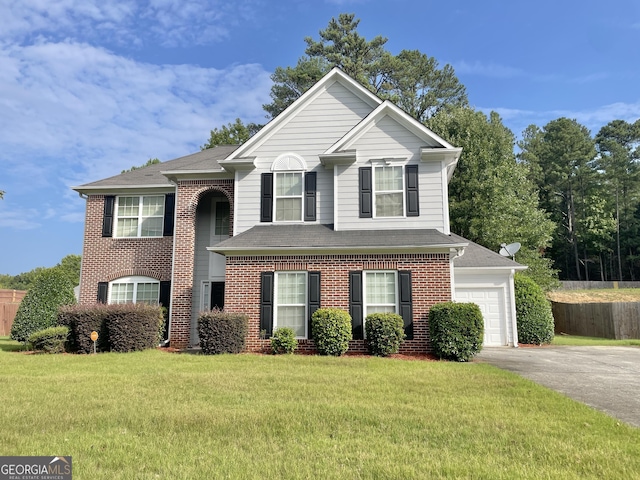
[[151, 161], [411, 79], [69, 266], [231, 134], [491, 198]]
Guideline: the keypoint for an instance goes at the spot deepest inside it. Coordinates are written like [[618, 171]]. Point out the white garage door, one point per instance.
[[491, 303]]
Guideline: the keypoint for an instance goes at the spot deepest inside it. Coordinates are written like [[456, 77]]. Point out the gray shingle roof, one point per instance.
[[204, 160], [296, 237], [477, 256]]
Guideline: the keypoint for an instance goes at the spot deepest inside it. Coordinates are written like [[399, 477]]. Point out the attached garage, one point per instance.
[[493, 308], [485, 278]]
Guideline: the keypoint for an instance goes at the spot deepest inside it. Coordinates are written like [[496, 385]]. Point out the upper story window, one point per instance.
[[139, 216], [134, 216], [134, 290], [387, 190], [288, 196], [288, 192]]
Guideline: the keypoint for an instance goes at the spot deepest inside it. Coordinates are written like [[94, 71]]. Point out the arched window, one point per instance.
[[134, 290], [288, 170]]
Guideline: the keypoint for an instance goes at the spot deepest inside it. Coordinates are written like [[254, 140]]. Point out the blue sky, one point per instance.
[[91, 87]]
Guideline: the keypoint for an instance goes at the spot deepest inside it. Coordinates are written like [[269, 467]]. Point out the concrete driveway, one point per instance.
[[605, 378]]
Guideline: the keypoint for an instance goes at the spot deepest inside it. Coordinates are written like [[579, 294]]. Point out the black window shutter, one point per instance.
[[266, 303], [164, 300], [406, 308], [103, 289], [314, 296], [169, 211], [413, 200], [107, 218], [356, 304], [266, 197], [366, 192], [310, 197]]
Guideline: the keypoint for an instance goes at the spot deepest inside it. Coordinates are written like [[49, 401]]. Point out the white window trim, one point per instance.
[[276, 305], [365, 305], [139, 216], [389, 162], [135, 280], [276, 197]]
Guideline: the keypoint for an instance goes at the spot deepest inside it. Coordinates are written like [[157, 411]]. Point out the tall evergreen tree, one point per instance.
[[411, 79], [619, 151], [560, 159]]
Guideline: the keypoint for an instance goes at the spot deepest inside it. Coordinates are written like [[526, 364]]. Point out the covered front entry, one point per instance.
[[212, 226]]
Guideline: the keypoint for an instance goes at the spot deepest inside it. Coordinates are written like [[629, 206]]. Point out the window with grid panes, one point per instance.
[[140, 216]]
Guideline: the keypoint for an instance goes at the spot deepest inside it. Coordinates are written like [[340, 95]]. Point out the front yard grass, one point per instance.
[[158, 415]]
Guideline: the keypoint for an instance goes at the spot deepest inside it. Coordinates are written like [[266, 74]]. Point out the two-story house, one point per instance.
[[340, 201]]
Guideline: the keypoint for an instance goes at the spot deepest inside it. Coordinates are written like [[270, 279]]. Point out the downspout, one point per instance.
[[84, 197], [452, 256], [513, 308]]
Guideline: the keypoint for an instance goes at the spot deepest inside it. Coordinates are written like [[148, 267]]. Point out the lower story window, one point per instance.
[[291, 302], [134, 290], [380, 292]]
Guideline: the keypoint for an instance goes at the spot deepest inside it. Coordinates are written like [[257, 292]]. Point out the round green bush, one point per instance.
[[331, 331], [49, 340], [39, 308], [384, 333], [456, 330], [533, 312], [284, 340]]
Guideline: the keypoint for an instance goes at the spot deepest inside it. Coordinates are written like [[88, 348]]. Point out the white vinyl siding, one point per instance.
[[308, 133], [134, 290], [291, 302], [388, 139], [139, 216]]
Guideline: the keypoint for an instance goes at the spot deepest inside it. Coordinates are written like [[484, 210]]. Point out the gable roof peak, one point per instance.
[[334, 75]]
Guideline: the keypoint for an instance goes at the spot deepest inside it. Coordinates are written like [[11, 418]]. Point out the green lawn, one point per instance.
[[575, 340], [159, 415]]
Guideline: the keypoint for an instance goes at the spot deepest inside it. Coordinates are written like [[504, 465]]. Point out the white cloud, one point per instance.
[[126, 22], [71, 113], [594, 119]]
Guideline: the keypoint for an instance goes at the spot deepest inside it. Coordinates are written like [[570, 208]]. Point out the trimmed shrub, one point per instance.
[[82, 320], [39, 308], [533, 312], [121, 327], [284, 341], [222, 332], [456, 330], [49, 340], [331, 331], [133, 327], [384, 333]]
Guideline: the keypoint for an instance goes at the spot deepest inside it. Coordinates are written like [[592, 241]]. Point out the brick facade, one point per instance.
[[431, 284], [106, 258], [189, 194]]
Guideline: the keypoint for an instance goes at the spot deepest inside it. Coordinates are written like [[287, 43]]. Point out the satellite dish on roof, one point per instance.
[[509, 250]]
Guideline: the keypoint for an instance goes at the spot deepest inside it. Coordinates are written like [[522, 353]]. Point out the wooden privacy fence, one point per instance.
[[575, 285], [619, 320], [9, 303]]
